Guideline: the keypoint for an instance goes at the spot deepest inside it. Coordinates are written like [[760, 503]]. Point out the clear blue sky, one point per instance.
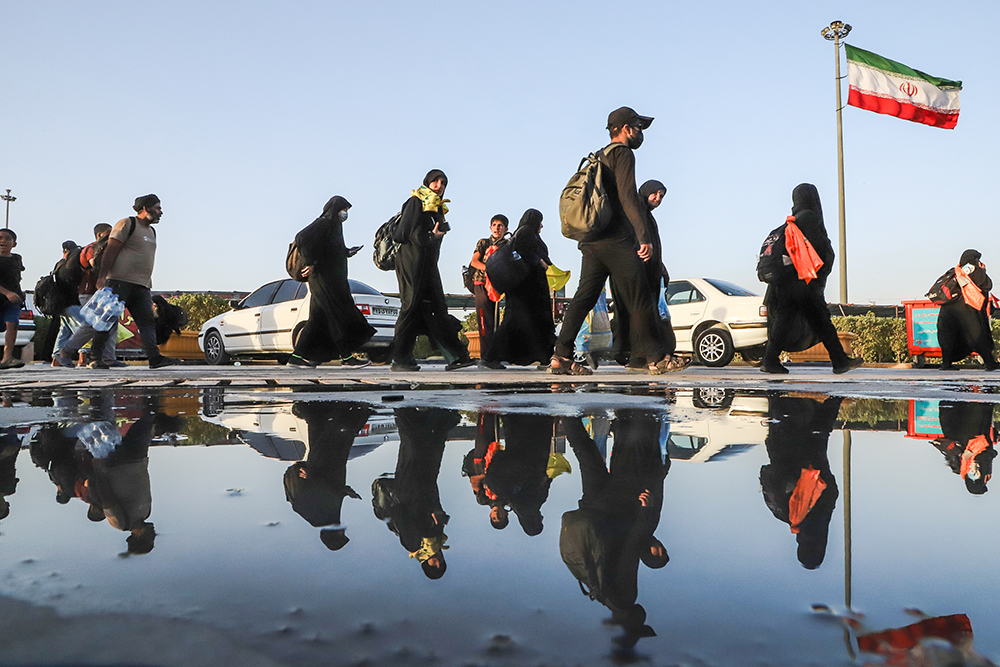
[[246, 116]]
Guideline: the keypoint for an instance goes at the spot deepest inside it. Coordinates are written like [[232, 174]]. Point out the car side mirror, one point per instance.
[[235, 303]]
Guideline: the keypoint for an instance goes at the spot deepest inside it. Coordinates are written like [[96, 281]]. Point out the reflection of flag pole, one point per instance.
[[847, 536], [836, 32]]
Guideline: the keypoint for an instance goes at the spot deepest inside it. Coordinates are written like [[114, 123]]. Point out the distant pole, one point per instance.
[[835, 32], [7, 198]]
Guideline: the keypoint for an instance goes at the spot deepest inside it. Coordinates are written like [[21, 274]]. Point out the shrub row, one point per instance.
[[883, 339]]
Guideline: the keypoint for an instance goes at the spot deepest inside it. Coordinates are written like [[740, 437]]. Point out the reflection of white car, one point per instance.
[[277, 433], [268, 321], [712, 424], [715, 319]]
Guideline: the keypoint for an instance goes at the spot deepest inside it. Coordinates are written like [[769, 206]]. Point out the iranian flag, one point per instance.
[[885, 86]]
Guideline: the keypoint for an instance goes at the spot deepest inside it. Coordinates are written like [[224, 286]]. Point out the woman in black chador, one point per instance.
[[603, 542], [964, 324], [527, 333], [316, 487], [336, 328], [967, 442], [651, 193], [797, 484], [790, 297], [517, 476], [409, 502], [424, 310]]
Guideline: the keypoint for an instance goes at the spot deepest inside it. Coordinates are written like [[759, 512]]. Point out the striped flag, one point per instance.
[[885, 86]]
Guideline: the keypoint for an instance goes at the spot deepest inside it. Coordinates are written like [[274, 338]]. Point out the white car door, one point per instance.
[[687, 306], [279, 317], [240, 328]]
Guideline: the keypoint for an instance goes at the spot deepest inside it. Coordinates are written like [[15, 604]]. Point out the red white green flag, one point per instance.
[[885, 86]]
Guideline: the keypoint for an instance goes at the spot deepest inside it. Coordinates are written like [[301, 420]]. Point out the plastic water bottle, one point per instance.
[[103, 309], [100, 438]]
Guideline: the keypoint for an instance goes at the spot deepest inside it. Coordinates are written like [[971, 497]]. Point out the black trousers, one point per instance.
[[788, 302], [617, 259]]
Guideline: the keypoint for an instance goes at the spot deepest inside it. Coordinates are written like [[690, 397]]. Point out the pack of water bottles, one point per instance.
[[100, 438], [103, 309]]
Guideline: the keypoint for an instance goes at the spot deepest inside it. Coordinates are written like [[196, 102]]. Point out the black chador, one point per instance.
[[336, 328], [963, 324]]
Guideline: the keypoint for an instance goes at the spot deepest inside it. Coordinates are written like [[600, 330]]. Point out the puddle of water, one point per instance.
[[703, 526]]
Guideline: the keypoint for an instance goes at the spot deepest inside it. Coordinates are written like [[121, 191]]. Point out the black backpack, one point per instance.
[[385, 245], [769, 262], [945, 289], [505, 267]]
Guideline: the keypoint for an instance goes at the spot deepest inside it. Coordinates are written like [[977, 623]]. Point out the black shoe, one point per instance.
[[947, 367], [777, 369], [403, 367], [852, 363], [159, 362], [355, 362], [592, 361], [493, 365], [296, 360], [459, 363]]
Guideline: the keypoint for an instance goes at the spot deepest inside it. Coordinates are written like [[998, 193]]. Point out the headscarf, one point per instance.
[[805, 197], [648, 188], [970, 256], [532, 219], [335, 206], [435, 174], [145, 201]]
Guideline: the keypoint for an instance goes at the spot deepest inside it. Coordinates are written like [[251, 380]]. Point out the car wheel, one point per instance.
[[753, 355], [215, 350], [379, 355], [712, 398], [714, 347]]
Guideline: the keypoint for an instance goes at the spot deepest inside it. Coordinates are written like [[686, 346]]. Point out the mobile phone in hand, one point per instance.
[[443, 226]]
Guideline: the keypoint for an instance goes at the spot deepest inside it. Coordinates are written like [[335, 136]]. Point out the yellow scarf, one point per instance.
[[429, 546], [431, 200]]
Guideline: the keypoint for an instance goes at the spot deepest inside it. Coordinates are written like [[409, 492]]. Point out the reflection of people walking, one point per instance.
[[527, 332], [336, 328], [424, 310], [964, 323], [798, 290], [486, 308], [620, 252]]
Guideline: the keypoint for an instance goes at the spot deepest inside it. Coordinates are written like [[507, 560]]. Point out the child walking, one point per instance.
[[11, 296]]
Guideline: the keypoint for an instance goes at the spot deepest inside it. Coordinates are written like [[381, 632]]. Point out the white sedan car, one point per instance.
[[266, 323], [714, 319]]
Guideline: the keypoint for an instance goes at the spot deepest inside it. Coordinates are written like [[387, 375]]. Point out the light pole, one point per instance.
[[834, 33], [7, 198]]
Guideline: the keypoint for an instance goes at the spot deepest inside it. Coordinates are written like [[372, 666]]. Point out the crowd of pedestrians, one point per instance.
[[626, 251]]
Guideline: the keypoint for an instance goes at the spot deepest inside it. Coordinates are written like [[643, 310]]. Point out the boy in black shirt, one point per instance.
[[11, 296]]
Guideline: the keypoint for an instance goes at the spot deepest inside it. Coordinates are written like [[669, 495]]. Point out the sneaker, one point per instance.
[[159, 362], [459, 363], [852, 363], [296, 360], [403, 367], [355, 362]]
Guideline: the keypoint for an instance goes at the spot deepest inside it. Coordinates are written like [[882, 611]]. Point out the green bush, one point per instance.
[[199, 308], [879, 339]]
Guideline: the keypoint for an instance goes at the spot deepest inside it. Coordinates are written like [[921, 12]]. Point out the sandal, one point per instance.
[[670, 364], [564, 366]]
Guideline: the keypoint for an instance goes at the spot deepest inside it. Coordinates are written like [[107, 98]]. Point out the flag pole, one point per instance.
[[835, 32]]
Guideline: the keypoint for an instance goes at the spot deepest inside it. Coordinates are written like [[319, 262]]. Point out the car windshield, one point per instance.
[[728, 289], [360, 288]]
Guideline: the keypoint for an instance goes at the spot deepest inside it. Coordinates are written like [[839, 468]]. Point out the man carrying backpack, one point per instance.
[[127, 268], [619, 251]]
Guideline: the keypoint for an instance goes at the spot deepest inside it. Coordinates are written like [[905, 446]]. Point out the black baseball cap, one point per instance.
[[628, 116]]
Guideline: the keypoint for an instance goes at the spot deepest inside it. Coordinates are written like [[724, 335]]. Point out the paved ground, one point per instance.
[[895, 382]]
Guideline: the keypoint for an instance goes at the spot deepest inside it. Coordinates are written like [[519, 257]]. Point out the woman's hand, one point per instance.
[[438, 234], [307, 270]]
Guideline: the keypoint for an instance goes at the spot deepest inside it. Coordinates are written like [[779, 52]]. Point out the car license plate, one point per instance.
[[384, 311]]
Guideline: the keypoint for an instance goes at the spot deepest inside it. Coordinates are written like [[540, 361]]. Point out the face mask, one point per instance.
[[343, 215], [635, 140]]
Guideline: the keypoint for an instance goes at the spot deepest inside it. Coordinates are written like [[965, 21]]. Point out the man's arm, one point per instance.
[[108, 260], [623, 162]]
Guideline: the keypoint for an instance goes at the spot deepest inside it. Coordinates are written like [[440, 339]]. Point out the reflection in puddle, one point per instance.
[[299, 526]]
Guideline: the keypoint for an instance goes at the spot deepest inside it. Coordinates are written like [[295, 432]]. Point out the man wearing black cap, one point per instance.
[[127, 268], [619, 252]]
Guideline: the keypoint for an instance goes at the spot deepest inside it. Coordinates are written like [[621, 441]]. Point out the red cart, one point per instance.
[[921, 330]]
